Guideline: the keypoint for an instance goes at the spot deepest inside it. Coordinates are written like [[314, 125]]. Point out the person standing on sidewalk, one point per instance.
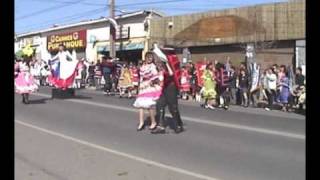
[[149, 90], [271, 88], [107, 70], [97, 75], [284, 91], [222, 79], [185, 83], [299, 79], [244, 86], [171, 67], [125, 81], [209, 91], [281, 74], [233, 85], [90, 80], [134, 71]]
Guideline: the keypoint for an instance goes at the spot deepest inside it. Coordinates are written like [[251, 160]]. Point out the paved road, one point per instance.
[[94, 137]]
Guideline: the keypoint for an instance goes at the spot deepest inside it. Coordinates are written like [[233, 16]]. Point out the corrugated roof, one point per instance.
[[88, 22]]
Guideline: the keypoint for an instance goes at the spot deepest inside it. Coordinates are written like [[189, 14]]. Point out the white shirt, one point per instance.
[[272, 81], [67, 67]]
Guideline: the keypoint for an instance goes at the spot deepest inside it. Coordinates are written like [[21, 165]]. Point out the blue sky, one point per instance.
[[31, 15]]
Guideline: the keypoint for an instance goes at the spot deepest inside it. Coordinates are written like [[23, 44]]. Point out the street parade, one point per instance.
[[140, 90]]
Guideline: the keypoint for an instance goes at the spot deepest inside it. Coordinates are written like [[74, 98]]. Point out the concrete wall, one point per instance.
[[281, 21]]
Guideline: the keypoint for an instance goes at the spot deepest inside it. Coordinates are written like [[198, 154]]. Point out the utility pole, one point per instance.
[[112, 30]]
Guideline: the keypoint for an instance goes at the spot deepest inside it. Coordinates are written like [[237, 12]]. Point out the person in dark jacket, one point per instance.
[[299, 77], [223, 90], [107, 70], [233, 85], [97, 75], [90, 79], [243, 86]]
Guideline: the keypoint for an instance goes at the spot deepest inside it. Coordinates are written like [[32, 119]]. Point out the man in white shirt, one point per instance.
[[271, 87]]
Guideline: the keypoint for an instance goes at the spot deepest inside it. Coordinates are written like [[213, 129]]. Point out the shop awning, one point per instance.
[[124, 47]]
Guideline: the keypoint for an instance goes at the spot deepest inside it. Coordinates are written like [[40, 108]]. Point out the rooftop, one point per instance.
[[88, 22]]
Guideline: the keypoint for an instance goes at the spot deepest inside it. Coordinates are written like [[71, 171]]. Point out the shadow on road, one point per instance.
[[168, 122], [73, 97], [39, 101], [81, 97]]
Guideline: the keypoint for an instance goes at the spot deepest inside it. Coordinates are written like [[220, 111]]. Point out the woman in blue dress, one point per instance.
[[284, 91]]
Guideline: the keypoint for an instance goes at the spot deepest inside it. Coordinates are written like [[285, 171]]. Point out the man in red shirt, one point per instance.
[[169, 94]]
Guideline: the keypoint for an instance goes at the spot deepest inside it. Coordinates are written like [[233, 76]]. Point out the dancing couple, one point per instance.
[[158, 88]]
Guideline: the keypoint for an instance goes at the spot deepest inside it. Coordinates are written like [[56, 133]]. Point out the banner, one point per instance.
[[71, 40]]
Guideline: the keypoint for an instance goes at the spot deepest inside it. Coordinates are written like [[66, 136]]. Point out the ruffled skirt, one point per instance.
[[25, 83]]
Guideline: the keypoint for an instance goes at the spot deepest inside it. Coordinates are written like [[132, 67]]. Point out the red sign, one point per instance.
[[71, 40]]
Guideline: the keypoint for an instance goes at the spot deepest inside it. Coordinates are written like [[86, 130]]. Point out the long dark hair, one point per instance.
[[148, 54], [284, 68], [159, 64], [208, 65], [27, 60]]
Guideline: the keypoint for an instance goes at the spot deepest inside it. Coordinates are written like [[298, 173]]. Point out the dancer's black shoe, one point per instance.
[[26, 101], [158, 130], [178, 129], [23, 99]]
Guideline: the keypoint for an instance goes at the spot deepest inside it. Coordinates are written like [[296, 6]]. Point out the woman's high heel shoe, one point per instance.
[[140, 128], [152, 128]]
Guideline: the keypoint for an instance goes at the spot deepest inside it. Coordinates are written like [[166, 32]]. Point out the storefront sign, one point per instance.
[[73, 40], [36, 40], [123, 33], [131, 46]]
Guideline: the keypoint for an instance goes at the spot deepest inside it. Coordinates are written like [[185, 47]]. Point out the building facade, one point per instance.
[[274, 29], [90, 39]]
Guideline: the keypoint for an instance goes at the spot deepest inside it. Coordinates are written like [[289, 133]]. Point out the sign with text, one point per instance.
[[122, 33], [71, 40]]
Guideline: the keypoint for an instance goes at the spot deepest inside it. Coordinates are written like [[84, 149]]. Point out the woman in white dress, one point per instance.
[[150, 90]]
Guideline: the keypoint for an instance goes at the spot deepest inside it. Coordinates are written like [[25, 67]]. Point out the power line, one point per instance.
[[147, 3], [121, 5], [67, 18], [46, 10], [72, 2]]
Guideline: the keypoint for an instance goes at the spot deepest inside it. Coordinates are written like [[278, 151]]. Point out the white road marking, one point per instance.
[[136, 158], [195, 120]]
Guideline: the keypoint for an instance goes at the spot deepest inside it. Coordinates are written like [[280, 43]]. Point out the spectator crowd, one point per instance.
[[212, 84]]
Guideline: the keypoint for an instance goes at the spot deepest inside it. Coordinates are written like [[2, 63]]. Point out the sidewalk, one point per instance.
[[233, 108]]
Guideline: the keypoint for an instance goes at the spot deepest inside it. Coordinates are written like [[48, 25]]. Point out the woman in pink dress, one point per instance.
[[185, 83], [24, 81], [149, 90]]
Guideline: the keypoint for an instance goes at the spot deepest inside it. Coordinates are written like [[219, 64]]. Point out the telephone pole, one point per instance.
[[112, 30]]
